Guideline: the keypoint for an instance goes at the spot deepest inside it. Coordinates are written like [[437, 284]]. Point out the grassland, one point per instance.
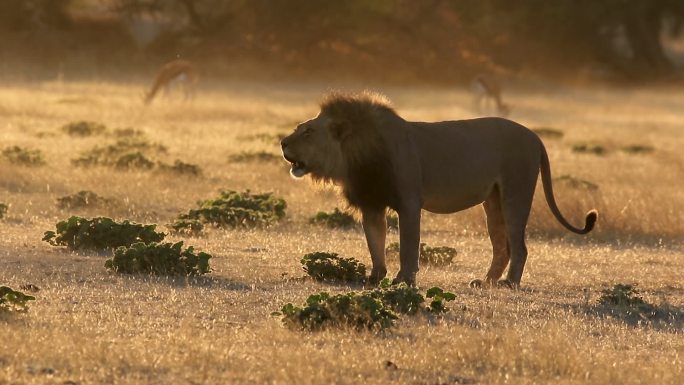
[[89, 326]]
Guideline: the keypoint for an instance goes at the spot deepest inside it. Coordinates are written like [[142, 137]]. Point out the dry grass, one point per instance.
[[90, 326]]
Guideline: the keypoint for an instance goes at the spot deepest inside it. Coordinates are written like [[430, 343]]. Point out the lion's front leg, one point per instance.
[[375, 228], [409, 244]]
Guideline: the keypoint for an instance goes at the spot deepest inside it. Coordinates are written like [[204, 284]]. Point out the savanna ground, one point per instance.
[[91, 326]]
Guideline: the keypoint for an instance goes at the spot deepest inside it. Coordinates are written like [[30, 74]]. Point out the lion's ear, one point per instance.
[[340, 129]]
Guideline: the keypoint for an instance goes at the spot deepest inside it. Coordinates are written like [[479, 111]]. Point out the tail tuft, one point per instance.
[[590, 221]]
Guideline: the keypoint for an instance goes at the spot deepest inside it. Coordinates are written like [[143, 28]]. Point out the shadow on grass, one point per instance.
[[209, 282], [662, 317]]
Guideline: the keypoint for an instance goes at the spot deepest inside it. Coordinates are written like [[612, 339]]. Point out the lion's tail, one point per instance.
[[592, 215]]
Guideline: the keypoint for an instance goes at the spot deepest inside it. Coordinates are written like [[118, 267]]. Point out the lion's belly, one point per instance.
[[456, 199]]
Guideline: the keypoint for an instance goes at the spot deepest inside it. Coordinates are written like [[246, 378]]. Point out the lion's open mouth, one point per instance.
[[297, 168]]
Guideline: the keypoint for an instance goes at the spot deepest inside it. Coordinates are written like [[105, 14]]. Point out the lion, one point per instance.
[[380, 160]]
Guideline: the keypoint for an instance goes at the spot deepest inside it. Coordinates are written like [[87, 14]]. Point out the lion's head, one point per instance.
[[344, 144]]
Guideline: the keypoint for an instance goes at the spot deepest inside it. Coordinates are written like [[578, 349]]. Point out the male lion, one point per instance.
[[381, 160]]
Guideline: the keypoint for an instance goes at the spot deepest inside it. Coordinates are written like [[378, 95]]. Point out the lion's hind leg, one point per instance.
[[516, 211], [498, 236]]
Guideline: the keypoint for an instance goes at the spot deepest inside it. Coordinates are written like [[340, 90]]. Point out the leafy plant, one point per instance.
[[187, 226], [356, 310], [576, 183], [334, 219], [548, 132], [392, 220], [82, 199], [621, 295], [83, 128], [179, 167], [252, 156], [638, 149], [375, 309], [11, 300], [237, 209], [330, 267], [439, 256], [100, 233], [589, 149], [127, 132], [623, 301], [124, 153], [23, 156], [159, 259], [3, 210]]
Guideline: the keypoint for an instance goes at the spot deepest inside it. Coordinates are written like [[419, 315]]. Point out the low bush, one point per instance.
[[548, 132], [82, 199], [375, 309], [84, 128], [11, 300], [438, 256], [334, 219], [575, 183], [100, 233], [255, 156], [124, 153], [3, 210], [590, 149], [624, 302], [330, 267], [392, 220], [23, 156], [160, 259], [179, 167], [637, 149], [237, 209], [187, 227]]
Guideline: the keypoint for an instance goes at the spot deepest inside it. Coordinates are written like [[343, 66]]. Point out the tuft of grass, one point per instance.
[[84, 128], [576, 183], [237, 209], [638, 149], [12, 300], [437, 256], [23, 156], [82, 199], [331, 267], [3, 210], [128, 132], [180, 168], [255, 156], [623, 301], [100, 233], [548, 132], [159, 259], [334, 219], [375, 309], [594, 149]]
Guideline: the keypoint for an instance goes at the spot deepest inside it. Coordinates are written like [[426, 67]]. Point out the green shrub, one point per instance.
[[82, 199], [392, 221], [84, 128], [127, 132], [548, 132], [589, 149], [438, 256], [179, 167], [638, 149], [255, 156], [100, 233], [159, 259], [576, 183], [334, 219], [187, 226], [124, 153], [375, 309], [3, 210], [238, 209], [625, 303], [330, 267], [23, 156], [11, 300], [621, 295]]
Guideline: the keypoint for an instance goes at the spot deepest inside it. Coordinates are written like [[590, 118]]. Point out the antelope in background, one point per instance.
[[177, 71], [487, 89]]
